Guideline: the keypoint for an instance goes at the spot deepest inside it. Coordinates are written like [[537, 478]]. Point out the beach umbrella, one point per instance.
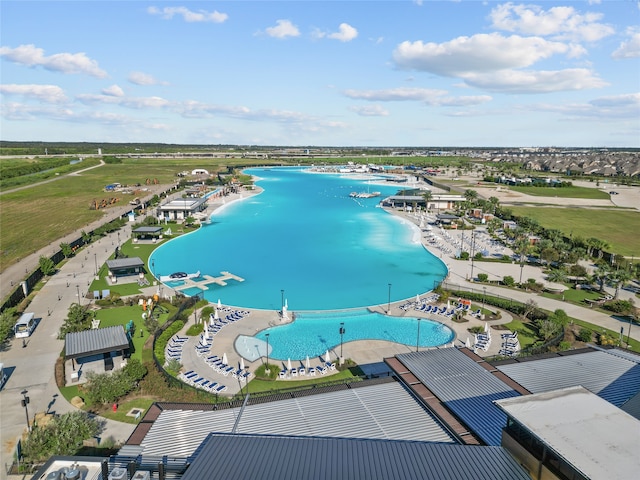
[[486, 327], [308, 363], [417, 297], [286, 303], [448, 304], [288, 364], [327, 358], [241, 363], [467, 343], [216, 315], [219, 304], [224, 358], [206, 334]]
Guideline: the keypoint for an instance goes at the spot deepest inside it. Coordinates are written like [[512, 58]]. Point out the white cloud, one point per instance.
[[516, 81], [188, 15], [283, 29], [478, 53], [629, 48], [32, 56], [370, 111], [618, 106], [42, 93], [138, 103], [559, 22], [345, 33], [425, 95], [114, 91], [140, 78]]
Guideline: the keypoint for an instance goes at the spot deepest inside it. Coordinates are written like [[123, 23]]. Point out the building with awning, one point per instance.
[[95, 350], [181, 208], [142, 233], [123, 267]]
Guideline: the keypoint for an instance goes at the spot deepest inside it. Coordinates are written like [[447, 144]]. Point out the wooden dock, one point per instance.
[[202, 284]]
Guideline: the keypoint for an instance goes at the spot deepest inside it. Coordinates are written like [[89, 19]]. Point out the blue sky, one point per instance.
[[323, 73]]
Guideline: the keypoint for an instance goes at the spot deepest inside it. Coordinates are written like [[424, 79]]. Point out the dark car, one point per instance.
[[613, 193], [178, 275]]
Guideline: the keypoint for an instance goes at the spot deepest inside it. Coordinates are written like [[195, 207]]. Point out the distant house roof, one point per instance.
[[184, 204], [95, 341], [598, 439], [119, 263], [383, 409], [464, 387], [148, 230], [313, 458]]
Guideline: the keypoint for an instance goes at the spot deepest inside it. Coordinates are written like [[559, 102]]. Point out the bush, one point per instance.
[[564, 346], [483, 277], [478, 256], [134, 369], [584, 335], [464, 256], [508, 280], [619, 306], [605, 339]]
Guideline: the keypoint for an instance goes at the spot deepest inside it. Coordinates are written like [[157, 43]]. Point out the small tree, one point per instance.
[[135, 370], [47, 267], [66, 249], [483, 277], [7, 321], [508, 280], [584, 335], [78, 319], [464, 256]]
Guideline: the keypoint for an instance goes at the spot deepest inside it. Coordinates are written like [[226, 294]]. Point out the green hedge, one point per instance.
[[163, 339]]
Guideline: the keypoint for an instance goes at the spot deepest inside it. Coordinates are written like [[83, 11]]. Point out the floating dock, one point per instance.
[[189, 282]]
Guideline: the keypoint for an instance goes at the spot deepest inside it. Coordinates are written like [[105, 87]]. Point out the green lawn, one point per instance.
[[563, 192], [572, 295], [617, 227]]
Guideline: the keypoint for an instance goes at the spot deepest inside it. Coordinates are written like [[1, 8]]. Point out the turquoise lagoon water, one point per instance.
[[313, 334], [305, 236]]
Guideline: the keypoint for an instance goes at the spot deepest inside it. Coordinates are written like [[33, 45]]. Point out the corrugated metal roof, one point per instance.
[[608, 374], [466, 388], [94, 341], [287, 458], [124, 263], [384, 411], [148, 230]]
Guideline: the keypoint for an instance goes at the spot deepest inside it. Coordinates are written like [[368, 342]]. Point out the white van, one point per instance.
[[25, 325]]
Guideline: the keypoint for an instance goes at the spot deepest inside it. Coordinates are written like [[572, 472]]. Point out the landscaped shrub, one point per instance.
[[585, 334], [604, 339], [483, 277], [564, 346], [464, 256], [196, 329], [508, 280], [619, 306]]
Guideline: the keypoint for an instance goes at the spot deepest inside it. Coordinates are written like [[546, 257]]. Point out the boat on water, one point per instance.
[[364, 194]]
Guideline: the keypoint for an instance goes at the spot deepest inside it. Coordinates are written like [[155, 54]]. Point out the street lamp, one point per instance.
[[25, 402], [342, 332], [418, 338], [95, 261], [484, 293], [281, 299], [78, 291], [389, 300], [267, 370]]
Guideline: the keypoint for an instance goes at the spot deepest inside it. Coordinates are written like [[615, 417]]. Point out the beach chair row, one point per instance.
[[173, 350], [192, 378], [218, 366], [322, 369], [482, 341]]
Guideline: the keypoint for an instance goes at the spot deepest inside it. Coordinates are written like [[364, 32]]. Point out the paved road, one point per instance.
[[32, 367]]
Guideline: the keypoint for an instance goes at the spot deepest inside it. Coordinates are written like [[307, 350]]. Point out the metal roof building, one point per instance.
[[464, 387], [613, 375], [383, 411], [124, 263], [270, 457], [95, 341]]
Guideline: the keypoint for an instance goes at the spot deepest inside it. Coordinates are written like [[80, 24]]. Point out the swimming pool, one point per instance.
[[306, 240], [313, 334]]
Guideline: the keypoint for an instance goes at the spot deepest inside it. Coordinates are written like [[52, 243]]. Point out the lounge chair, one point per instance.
[[220, 388], [322, 369], [312, 372], [282, 374], [293, 372]]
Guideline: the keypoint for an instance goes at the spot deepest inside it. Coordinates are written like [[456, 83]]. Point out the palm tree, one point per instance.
[[470, 195], [428, 196], [601, 274], [619, 278], [494, 202], [557, 275]]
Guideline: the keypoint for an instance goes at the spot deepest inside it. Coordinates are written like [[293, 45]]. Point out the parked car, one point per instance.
[[613, 193]]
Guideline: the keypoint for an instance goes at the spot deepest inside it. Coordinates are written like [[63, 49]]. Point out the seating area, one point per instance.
[[192, 378], [173, 350], [483, 340], [288, 372], [510, 344], [420, 303]]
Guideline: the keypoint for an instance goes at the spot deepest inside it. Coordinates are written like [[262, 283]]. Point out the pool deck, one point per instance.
[[363, 352]]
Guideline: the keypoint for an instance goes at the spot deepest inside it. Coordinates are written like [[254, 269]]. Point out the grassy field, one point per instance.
[[617, 227], [563, 192]]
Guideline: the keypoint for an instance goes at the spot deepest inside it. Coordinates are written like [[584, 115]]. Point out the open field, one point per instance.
[[617, 227], [563, 192]]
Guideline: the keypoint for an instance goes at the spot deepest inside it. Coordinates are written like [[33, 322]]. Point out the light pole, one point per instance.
[[95, 261], [281, 299], [473, 243], [153, 267], [78, 291], [342, 332], [25, 402], [389, 301], [418, 338], [484, 293], [267, 370]]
